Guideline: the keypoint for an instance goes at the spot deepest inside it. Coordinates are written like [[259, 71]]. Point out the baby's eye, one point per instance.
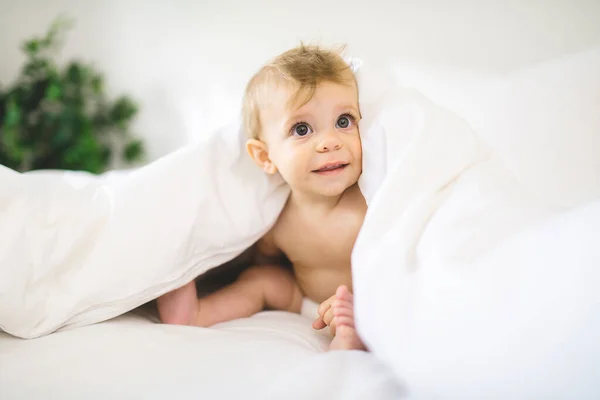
[[344, 122], [301, 129]]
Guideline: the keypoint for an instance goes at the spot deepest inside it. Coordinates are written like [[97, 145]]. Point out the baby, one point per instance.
[[301, 113]]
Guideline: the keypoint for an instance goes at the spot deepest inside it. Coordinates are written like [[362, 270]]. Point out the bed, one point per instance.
[[272, 355], [476, 270]]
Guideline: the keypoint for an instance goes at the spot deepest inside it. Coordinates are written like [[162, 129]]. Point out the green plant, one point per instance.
[[56, 117]]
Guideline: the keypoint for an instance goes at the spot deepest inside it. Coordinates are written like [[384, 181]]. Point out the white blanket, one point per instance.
[[472, 279], [453, 275], [76, 249], [466, 284]]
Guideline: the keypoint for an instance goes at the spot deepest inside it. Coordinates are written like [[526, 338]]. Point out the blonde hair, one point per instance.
[[304, 66]]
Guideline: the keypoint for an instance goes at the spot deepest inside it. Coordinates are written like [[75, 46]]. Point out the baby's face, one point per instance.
[[315, 147]]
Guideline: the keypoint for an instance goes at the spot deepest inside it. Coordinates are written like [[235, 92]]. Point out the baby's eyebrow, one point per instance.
[[297, 117], [350, 107]]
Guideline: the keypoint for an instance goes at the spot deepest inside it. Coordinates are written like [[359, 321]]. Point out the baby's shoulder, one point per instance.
[[353, 207]]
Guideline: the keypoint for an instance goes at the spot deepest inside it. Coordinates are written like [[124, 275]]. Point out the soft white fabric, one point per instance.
[[76, 249], [469, 282], [273, 355], [543, 120], [545, 124], [455, 272]]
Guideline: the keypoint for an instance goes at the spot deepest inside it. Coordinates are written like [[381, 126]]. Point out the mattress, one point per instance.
[[270, 355]]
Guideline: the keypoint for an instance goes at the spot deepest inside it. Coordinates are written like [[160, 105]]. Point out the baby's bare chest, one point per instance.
[[316, 243]]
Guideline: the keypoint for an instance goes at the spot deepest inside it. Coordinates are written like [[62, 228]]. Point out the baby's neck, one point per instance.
[[317, 205]]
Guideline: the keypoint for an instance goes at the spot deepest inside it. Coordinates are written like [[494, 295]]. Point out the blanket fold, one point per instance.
[[77, 249]]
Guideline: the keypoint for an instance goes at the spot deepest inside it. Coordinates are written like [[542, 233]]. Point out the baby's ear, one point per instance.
[[257, 150]]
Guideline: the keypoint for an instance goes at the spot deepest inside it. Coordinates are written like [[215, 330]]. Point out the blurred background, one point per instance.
[[135, 80]]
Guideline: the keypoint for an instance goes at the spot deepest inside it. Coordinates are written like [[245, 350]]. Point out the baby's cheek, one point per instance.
[[289, 173], [358, 151]]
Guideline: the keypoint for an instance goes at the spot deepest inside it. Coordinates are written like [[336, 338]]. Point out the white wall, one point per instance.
[[187, 61]]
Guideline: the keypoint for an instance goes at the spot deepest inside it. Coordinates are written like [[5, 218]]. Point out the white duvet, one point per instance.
[[467, 281]]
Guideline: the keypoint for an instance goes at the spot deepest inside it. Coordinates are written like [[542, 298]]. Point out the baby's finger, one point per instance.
[[319, 324], [342, 307], [328, 317], [323, 307], [333, 326], [342, 320]]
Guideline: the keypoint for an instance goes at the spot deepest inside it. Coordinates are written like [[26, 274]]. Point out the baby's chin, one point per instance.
[[332, 190]]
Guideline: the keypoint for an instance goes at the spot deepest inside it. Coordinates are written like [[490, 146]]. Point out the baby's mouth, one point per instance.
[[331, 167]]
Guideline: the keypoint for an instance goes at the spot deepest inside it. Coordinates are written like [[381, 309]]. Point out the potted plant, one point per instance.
[[59, 117]]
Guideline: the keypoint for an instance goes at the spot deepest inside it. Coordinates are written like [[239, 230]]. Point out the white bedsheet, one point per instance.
[[273, 355]]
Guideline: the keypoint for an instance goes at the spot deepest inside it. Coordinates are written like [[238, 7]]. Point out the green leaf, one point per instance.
[[85, 154], [53, 91], [64, 132], [123, 111], [32, 47], [77, 73], [10, 143], [134, 151], [13, 114]]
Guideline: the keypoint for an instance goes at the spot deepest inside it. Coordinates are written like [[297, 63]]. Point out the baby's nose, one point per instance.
[[329, 142]]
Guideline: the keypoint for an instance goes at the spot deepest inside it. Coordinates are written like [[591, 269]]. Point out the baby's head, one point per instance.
[[301, 113]]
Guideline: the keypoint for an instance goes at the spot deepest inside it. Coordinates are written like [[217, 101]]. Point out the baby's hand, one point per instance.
[[325, 317]]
